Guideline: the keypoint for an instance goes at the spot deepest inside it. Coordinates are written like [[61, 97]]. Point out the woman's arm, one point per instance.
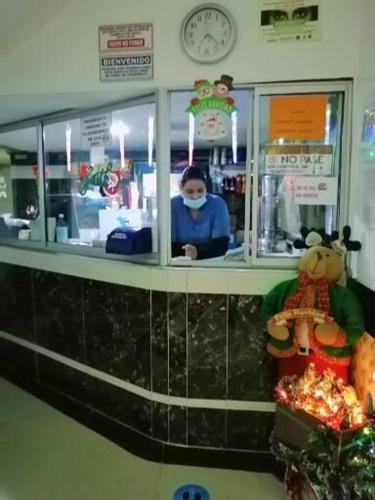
[[214, 248], [177, 249]]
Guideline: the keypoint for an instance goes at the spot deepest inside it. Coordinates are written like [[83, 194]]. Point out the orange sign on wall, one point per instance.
[[298, 118]]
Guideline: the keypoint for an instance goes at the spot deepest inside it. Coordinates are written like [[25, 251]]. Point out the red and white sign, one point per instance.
[[315, 190], [125, 37]]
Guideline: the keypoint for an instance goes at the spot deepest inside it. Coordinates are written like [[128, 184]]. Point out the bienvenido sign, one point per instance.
[[299, 159]]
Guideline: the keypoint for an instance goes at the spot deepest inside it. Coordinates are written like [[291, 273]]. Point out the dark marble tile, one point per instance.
[[177, 344], [59, 313], [16, 361], [206, 427], [177, 425], [16, 309], [251, 371], [64, 379], [117, 330], [159, 341], [160, 421], [207, 323], [129, 409], [249, 430]]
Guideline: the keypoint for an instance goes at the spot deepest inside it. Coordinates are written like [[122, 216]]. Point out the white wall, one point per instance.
[[364, 262], [63, 55]]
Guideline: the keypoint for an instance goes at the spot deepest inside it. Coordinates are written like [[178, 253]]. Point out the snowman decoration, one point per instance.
[[211, 109]]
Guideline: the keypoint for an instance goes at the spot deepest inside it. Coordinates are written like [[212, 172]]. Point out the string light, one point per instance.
[[150, 139], [234, 136], [68, 142], [324, 397], [191, 138], [120, 130]]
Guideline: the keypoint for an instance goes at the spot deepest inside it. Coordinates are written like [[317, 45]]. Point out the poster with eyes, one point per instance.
[[290, 20]]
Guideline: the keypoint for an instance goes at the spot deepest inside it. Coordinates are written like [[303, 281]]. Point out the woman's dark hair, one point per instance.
[[191, 173]]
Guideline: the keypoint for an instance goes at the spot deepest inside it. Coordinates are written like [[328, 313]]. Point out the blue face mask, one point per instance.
[[195, 204]]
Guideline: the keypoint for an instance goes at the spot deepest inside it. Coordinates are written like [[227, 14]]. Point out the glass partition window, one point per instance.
[[100, 182], [208, 184], [19, 200], [299, 174]]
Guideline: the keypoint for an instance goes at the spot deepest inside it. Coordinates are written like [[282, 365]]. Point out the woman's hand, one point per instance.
[[191, 251]]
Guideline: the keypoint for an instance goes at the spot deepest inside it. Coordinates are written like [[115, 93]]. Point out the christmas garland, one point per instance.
[[353, 477]]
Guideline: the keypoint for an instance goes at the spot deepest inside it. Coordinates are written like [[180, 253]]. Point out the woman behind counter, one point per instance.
[[200, 221]]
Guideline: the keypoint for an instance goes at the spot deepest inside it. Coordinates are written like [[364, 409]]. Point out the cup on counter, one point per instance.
[[24, 234], [35, 230], [51, 228]]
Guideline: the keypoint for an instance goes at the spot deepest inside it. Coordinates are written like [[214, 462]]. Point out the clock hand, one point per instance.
[[207, 35]]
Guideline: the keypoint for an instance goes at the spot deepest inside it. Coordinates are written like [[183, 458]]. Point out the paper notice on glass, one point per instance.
[[290, 20], [316, 190], [96, 131], [299, 160]]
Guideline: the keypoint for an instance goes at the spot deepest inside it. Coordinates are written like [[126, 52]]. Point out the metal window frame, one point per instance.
[[39, 123], [222, 265], [345, 87], [161, 98]]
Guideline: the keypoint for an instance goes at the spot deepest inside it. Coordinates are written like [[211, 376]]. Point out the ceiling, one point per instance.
[[19, 19]]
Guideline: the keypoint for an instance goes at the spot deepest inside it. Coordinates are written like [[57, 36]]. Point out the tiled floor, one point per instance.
[[45, 455]]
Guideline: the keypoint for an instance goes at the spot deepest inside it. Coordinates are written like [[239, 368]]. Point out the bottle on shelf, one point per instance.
[[223, 156], [243, 187], [239, 183], [61, 230]]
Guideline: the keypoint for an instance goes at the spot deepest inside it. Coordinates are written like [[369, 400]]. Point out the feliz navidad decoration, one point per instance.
[[210, 111], [107, 177]]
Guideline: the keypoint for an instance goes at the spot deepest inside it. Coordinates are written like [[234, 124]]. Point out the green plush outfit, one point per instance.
[[344, 308]]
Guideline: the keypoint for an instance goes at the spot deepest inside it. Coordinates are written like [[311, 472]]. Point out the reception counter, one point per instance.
[[155, 358]]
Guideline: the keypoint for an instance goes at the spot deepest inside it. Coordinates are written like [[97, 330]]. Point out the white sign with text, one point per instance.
[[96, 131], [126, 67], [299, 160], [315, 190]]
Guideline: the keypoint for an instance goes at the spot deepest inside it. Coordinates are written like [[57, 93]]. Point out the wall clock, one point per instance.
[[208, 33]]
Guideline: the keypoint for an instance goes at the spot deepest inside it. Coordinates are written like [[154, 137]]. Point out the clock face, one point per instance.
[[208, 33]]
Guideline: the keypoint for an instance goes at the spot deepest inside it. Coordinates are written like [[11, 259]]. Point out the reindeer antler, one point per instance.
[[351, 246]]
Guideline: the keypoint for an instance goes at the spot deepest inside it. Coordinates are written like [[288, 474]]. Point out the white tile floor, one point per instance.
[[45, 455]]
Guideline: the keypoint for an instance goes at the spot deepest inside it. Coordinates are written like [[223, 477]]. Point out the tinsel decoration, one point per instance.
[[351, 478]]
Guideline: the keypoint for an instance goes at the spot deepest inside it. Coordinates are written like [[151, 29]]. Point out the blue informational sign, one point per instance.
[[191, 492]]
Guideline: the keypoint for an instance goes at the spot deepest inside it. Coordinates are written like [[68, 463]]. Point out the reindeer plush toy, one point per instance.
[[312, 318]]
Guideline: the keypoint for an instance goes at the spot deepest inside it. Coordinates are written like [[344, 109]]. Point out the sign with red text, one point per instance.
[[299, 160], [125, 37], [315, 190]]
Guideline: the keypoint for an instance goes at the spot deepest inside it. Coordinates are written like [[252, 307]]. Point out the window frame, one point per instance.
[[248, 172], [161, 98], [345, 157], [149, 98]]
